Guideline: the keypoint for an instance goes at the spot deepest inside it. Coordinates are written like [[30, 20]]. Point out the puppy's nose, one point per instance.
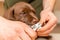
[[35, 21]]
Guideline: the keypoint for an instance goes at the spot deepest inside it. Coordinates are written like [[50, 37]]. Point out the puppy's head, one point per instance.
[[22, 12]]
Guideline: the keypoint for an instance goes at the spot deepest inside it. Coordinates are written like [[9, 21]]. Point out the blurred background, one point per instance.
[[56, 31]]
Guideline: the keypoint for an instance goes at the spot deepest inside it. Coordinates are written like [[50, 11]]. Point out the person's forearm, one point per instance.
[[48, 4]]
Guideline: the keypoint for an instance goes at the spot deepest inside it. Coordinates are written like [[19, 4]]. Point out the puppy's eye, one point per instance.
[[23, 13]]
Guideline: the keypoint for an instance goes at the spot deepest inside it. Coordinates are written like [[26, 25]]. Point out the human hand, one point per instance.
[[48, 20], [14, 30]]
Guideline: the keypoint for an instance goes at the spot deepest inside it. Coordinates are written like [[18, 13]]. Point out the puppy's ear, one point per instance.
[[9, 14], [30, 6]]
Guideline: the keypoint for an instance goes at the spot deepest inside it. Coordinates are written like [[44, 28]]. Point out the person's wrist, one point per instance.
[[47, 10]]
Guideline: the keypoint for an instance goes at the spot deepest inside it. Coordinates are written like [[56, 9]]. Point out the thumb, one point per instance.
[[42, 21]]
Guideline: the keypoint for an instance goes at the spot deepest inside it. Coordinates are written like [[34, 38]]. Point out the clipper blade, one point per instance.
[[36, 26]]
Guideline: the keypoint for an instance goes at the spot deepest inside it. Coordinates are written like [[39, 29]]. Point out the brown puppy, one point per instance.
[[22, 12]]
